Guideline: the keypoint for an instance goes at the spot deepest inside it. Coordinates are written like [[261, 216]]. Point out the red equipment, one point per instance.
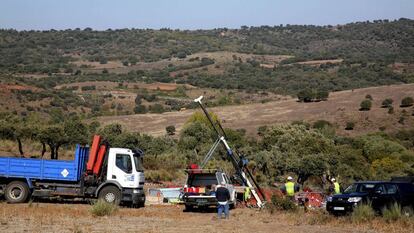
[[98, 165], [93, 152]]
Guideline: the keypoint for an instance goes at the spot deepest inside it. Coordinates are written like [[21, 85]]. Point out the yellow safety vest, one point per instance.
[[290, 188], [247, 194], [337, 188]]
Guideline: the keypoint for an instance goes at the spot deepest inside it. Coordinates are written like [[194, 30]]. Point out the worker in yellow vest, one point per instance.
[[290, 188], [335, 187]]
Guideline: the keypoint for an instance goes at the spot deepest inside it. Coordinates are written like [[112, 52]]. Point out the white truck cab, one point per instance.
[[124, 170]]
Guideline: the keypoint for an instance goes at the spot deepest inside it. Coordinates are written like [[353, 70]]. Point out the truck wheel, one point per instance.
[[17, 192], [110, 194]]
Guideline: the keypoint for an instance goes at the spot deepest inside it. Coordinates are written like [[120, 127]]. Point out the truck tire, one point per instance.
[[17, 192], [110, 194]]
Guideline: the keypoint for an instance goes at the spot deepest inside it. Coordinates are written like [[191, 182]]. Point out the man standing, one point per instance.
[[335, 187], [223, 197], [290, 188]]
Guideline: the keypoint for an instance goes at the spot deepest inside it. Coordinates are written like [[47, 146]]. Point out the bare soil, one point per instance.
[[340, 108], [47, 217]]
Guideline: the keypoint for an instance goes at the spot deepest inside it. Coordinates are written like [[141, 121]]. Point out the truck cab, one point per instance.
[[199, 190], [125, 170]]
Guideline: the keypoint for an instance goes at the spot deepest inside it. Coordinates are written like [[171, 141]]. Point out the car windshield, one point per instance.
[[138, 160], [359, 188], [202, 180]]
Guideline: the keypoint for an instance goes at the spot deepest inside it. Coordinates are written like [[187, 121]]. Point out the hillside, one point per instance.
[[341, 107], [92, 73]]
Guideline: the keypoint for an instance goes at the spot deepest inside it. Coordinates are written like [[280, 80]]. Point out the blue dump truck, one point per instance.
[[114, 175]]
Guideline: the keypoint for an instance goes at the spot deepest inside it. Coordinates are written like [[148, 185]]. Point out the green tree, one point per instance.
[[170, 129], [16, 129], [350, 125], [407, 102], [365, 105], [387, 103]]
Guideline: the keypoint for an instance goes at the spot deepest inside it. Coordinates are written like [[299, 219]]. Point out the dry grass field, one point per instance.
[[58, 217], [341, 107]]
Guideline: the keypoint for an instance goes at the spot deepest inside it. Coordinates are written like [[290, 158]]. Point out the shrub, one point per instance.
[[156, 108], [281, 203], [392, 213], [320, 124], [88, 88], [407, 102], [365, 105], [350, 125], [362, 213], [140, 109], [103, 208], [390, 110], [369, 97], [170, 129], [387, 103]]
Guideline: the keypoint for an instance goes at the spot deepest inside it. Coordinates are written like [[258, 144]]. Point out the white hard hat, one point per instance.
[[333, 180], [289, 178]]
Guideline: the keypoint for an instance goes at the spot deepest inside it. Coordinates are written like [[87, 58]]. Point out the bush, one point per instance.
[[170, 129], [362, 213], [387, 103], [140, 109], [393, 213], [103, 208], [156, 108], [365, 105], [369, 97], [350, 125], [407, 102], [88, 88], [320, 124], [390, 110], [281, 203]]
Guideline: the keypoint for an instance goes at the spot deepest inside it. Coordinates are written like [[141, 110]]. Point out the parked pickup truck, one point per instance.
[[199, 188], [113, 174], [380, 194]]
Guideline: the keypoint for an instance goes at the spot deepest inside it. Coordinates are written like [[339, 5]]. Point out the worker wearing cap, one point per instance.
[[335, 187], [290, 188], [223, 197]]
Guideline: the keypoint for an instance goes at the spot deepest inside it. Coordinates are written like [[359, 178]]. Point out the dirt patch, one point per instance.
[[43, 217], [9, 87], [93, 65], [320, 62], [159, 86]]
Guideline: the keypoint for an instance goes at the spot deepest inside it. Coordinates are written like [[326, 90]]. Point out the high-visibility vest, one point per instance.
[[247, 194], [337, 188], [290, 188]]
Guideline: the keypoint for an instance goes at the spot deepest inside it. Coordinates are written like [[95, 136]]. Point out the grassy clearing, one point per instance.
[[102, 208]]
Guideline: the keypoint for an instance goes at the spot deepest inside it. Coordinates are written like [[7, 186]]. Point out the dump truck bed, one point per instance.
[[44, 169]]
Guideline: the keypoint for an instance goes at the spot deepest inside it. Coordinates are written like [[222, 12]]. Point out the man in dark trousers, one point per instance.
[[223, 197]]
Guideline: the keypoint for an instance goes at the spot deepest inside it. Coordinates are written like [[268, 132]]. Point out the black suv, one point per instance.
[[379, 193]]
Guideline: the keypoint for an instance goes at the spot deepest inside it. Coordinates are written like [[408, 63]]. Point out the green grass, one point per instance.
[[102, 208], [363, 213]]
